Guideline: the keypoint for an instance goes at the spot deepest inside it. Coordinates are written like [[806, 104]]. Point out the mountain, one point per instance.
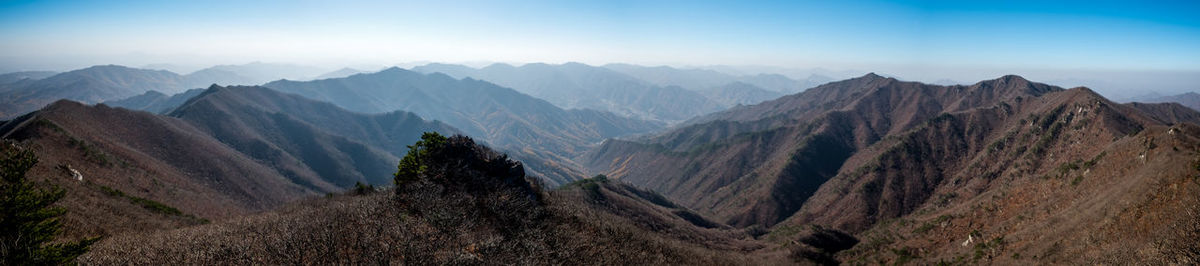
[[30, 75], [89, 85], [154, 101], [208, 76], [700, 79], [315, 144], [470, 205], [142, 172], [739, 93], [529, 128], [341, 73], [257, 73], [860, 154], [112, 83], [1190, 99], [575, 85]]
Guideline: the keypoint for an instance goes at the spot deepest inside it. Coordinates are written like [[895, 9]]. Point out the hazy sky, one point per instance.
[[889, 36]]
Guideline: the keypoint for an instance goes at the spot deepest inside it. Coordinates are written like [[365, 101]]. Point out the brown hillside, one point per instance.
[[126, 155], [758, 164]]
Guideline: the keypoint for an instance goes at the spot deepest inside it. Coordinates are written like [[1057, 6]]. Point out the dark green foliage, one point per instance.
[[362, 189], [413, 163], [28, 223], [149, 204]]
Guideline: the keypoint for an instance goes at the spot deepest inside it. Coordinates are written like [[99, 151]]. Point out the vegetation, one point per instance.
[[413, 163], [28, 223], [149, 204]]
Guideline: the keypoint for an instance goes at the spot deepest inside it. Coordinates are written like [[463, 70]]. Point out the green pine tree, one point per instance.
[[28, 222], [412, 165]]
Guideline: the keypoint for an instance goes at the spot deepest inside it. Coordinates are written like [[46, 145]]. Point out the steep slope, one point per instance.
[[529, 128], [575, 85], [154, 101], [141, 171], [1068, 177], [758, 164], [89, 85], [315, 144], [470, 205]]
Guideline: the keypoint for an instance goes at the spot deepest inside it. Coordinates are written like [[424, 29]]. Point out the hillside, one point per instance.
[[526, 127], [860, 154], [575, 85], [757, 164], [315, 144], [142, 172], [471, 206]]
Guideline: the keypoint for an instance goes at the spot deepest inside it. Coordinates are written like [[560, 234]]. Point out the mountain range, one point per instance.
[[1190, 99], [868, 170], [575, 85], [525, 126], [860, 154]]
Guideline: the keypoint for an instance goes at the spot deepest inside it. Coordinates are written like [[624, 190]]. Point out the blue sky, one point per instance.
[[1061, 35]]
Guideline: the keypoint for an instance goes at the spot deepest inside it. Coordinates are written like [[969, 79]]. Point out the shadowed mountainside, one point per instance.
[[529, 128], [313, 143]]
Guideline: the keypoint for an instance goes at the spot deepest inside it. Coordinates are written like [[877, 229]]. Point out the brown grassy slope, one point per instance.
[[1066, 177], [472, 206], [758, 164], [145, 156]]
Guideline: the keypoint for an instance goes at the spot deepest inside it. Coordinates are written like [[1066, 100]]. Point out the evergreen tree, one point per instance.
[[412, 165], [28, 222]]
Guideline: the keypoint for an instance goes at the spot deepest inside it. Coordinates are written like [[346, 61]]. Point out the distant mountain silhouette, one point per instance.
[[575, 85], [154, 101], [112, 83], [257, 73], [25, 75], [341, 73], [702, 79], [89, 85], [739, 93], [1190, 99]]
